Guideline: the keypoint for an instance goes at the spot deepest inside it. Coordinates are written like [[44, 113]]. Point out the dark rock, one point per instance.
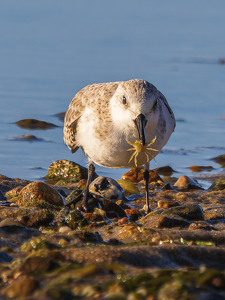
[[36, 218], [218, 185], [36, 264], [220, 160], [34, 124], [28, 137], [190, 212], [75, 219], [5, 257], [172, 221], [2, 197], [36, 191], [165, 171]]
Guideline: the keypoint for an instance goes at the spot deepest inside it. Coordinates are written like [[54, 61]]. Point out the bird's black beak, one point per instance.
[[140, 123]]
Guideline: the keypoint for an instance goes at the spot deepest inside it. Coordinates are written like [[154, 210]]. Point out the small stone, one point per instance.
[[64, 229], [201, 168], [128, 187], [75, 219], [39, 191], [135, 175], [167, 204], [185, 183], [132, 211], [107, 188], [123, 221], [20, 288], [34, 124], [165, 171]]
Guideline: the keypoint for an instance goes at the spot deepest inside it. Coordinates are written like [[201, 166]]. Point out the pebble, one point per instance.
[[135, 175], [64, 229], [39, 191], [123, 221], [190, 212], [128, 187], [167, 203], [185, 183]]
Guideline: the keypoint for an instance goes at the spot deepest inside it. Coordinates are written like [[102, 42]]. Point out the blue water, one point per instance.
[[49, 50]]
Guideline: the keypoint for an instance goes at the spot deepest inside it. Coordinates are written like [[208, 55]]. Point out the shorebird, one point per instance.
[[104, 119]]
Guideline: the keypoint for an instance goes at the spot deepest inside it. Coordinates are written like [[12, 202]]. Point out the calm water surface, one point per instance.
[[50, 50]]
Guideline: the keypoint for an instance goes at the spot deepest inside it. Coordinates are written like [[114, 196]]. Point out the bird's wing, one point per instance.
[[83, 98]]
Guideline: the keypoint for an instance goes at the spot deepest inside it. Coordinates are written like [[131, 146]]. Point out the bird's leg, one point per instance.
[[91, 170], [146, 180]]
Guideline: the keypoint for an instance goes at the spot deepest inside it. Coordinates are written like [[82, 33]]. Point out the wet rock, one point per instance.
[[107, 188], [110, 206], [34, 124], [13, 192], [2, 197], [10, 223], [65, 169], [36, 264], [187, 183], [122, 221], [201, 168], [218, 185], [172, 221], [36, 218], [214, 213], [64, 229], [165, 171], [220, 160], [20, 288], [27, 137], [190, 212], [128, 187], [75, 219], [60, 116], [167, 203], [36, 191], [173, 290], [89, 237], [5, 257], [93, 217], [135, 175]]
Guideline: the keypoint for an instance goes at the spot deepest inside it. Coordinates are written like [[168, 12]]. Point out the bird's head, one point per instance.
[[134, 107]]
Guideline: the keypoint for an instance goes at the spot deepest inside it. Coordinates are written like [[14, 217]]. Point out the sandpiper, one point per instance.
[[104, 119]]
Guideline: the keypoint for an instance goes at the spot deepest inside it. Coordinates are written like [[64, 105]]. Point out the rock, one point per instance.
[[173, 290], [20, 288], [65, 169], [37, 191], [10, 223], [220, 160], [201, 168], [214, 213], [2, 197], [190, 212], [110, 206], [13, 192], [107, 188], [64, 229], [28, 137], [36, 264], [93, 217], [136, 175], [34, 124], [128, 187], [172, 221], [218, 185], [185, 183], [122, 221], [167, 203], [5, 257], [60, 116], [165, 171], [36, 218], [75, 219]]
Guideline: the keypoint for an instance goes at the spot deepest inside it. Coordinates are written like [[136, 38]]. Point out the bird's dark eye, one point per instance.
[[124, 101]]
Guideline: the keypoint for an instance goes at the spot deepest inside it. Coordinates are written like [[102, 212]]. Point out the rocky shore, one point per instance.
[[52, 249]]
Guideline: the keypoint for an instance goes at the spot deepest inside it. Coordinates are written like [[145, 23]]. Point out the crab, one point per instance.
[[138, 147]]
